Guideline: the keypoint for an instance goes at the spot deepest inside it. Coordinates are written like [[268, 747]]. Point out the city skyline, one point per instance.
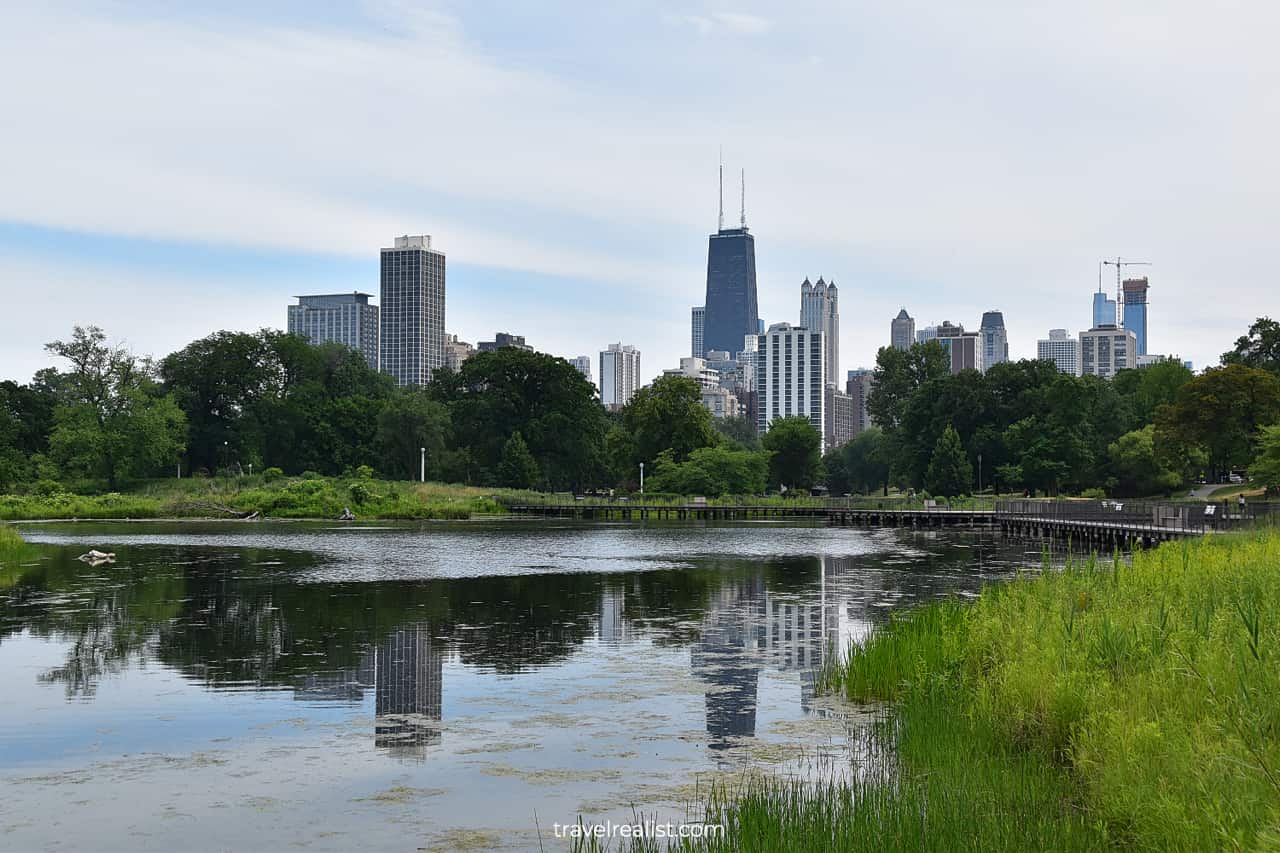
[[100, 229]]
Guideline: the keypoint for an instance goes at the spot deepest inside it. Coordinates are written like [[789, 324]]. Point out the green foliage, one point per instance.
[[517, 469], [1260, 348], [410, 421], [1220, 413], [795, 453], [1156, 683], [543, 398], [899, 375], [949, 471], [315, 497], [739, 430], [710, 471], [272, 474], [1137, 469], [112, 421], [860, 465], [668, 415], [1265, 470]]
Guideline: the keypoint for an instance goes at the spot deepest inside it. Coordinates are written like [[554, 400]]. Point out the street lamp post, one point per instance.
[[979, 473], [422, 464], [226, 457], [642, 478]]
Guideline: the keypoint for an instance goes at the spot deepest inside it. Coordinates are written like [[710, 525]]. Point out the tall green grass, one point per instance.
[[1155, 683], [10, 541], [1130, 704]]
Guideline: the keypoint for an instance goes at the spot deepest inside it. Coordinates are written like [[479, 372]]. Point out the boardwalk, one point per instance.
[[1097, 523]]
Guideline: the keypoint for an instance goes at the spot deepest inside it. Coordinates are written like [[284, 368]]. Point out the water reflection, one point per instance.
[[239, 619]]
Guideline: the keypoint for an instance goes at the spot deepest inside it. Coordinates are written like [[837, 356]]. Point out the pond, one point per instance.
[[232, 685]]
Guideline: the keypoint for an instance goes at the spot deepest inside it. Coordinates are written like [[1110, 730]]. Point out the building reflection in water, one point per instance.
[[409, 672], [405, 671], [748, 627]]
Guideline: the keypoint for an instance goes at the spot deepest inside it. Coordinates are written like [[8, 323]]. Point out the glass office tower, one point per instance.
[[730, 308]]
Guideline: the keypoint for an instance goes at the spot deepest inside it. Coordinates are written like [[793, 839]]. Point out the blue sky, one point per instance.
[[169, 170]]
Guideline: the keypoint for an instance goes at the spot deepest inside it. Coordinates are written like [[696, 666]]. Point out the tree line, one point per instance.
[[1027, 426], [104, 418]]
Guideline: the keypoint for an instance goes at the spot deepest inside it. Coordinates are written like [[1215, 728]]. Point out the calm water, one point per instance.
[[273, 685]]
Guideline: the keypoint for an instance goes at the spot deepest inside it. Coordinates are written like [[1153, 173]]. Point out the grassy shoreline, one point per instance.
[[1132, 705], [307, 497]]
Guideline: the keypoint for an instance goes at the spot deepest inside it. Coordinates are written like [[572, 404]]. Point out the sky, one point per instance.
[[168, 170]]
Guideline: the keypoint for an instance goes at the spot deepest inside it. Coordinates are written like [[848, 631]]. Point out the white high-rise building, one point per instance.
[[790, 376], [820, 312], [412, 309], [1062, 349], [1106, 350], [583, 365], [926, 334], [619, 375]]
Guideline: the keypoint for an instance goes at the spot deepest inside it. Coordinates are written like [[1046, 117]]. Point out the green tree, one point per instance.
[[1220, 412], [517, 468], [543, 398], [114, 423], [795, 449], [711, 471], [898, 375], [409, 422], [866, 461], [1146, 389], [740, 431], [950, 473], [1265, 470], [1260, 348], [668, 415], [1138, 470], [836, 472]]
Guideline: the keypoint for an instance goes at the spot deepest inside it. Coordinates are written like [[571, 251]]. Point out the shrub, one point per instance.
[[272, 474]]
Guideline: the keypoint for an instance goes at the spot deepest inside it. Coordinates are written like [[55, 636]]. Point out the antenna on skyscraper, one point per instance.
[[743, 219], [721, 225]]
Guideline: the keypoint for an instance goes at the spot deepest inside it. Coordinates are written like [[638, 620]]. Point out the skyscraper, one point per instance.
[[583, 365], [1062, 349], [413, 339], [963, 348], [345, 318], [790, 371], [619, 375], [1106, 350], [995, 340], [697, 324], [1104, 309], [858, 387], [902, 331], [928, 333], [1135, 310], [731, 310], [820, 312]]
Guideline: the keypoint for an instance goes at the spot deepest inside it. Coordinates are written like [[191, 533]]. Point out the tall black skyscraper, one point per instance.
[[731, 311]]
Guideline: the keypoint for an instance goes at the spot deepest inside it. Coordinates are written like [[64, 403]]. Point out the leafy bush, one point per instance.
[[272, 474]]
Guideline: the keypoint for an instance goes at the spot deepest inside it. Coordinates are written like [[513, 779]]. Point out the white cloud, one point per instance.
[[952, 158]]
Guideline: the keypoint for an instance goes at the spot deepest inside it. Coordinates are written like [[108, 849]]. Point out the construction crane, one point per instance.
[[1120, 263]]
